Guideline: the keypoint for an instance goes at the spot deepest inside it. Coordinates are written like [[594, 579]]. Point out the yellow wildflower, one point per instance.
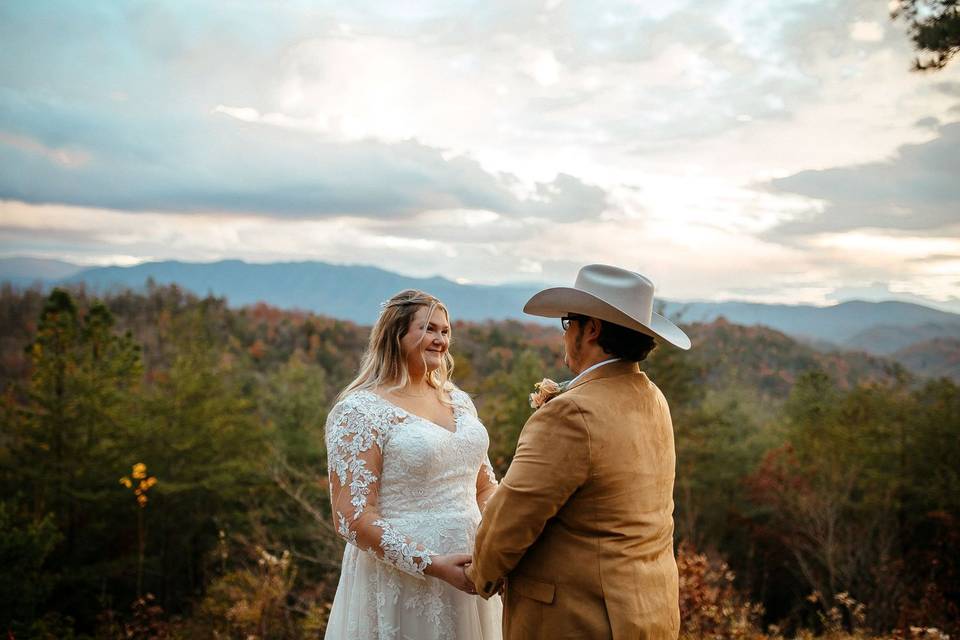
[[139, 471], [125, 481]]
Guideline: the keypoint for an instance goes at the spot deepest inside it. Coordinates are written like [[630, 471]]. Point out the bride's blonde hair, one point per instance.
[[383, 362]]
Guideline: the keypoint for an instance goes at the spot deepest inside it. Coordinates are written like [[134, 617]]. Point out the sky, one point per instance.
[[732, 150]]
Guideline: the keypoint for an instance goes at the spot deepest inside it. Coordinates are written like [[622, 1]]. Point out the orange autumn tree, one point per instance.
[[140, 483]]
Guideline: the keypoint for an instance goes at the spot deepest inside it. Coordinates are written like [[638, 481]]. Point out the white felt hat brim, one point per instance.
[[559, 301]]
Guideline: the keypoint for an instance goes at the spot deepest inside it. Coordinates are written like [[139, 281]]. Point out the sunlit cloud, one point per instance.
[[866, 31], [889, 246]]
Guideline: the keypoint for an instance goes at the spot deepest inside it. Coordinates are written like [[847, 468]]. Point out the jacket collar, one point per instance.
[[619, 368]]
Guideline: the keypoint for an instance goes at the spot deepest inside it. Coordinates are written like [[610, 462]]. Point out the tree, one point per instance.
[[295, 515], [504, 405], [717, 447], [934, 27], [77, 410], [836, 500], [65, 437], [24, 547], [201, 437]]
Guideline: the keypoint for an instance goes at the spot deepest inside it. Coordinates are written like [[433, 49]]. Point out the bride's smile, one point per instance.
[[426, 342]]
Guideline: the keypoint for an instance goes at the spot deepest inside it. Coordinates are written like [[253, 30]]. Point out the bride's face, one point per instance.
[[427, 339]]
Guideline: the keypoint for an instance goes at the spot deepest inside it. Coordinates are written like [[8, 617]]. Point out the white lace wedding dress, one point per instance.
[[404, 489]]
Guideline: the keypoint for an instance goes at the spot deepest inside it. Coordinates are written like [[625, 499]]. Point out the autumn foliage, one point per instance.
[[816, 493]]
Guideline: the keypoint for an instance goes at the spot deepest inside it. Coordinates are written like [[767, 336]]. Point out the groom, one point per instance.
[[581, 527]]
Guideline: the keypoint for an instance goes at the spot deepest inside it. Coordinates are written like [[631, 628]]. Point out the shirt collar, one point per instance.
[[591, 368]]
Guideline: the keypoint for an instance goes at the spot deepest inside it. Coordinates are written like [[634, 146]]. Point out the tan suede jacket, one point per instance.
[[581, 526]]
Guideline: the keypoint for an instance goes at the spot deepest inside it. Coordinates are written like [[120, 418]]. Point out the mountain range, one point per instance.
[[926, 339]]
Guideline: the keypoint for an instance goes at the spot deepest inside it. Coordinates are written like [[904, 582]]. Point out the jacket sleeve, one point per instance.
[[355, 439], [552, 461]]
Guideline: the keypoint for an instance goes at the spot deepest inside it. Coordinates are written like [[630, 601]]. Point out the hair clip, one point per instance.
[[398, 303]]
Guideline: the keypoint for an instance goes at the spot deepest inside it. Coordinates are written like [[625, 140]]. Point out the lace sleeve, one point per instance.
[[355, 441]]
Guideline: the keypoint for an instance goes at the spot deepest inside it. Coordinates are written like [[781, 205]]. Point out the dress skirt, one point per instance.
[[376, 601]]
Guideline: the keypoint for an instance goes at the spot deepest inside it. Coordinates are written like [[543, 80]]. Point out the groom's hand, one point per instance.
[[452, 569], [495, 588], [468, 574]]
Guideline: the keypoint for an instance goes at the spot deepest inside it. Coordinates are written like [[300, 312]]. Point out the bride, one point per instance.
[[409, 477]]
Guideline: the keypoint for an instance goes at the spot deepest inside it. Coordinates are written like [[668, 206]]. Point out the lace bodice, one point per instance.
[[402, 487]]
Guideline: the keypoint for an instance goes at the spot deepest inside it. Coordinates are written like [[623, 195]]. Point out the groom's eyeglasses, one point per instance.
[[567, 319]]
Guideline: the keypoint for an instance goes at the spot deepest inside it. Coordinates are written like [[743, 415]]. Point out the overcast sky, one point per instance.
[[774, 152]]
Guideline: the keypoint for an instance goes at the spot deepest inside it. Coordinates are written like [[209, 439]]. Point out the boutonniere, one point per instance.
[[546, 390]]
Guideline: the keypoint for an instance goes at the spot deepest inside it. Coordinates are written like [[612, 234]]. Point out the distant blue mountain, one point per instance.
[[347, 292], [841, 324], [355, 293], [24, 272]]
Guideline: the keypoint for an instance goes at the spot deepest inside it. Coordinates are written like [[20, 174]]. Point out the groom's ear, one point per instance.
[[591, 329]]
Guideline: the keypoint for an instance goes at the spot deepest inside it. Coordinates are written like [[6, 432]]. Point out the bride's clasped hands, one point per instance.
[[451, 568]]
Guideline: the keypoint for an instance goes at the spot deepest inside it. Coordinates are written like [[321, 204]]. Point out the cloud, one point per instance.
[[450, 137], [949, 88], [86, 235], [917, 190], [866, 31], [215, 163], [938, 257], [120, 110]]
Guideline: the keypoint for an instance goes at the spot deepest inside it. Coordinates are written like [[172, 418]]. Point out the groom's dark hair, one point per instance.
[[626, 344]]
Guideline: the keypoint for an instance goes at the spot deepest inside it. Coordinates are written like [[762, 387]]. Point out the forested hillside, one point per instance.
[[164, 474]]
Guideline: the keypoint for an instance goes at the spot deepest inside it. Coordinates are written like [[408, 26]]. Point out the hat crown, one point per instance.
[[632, 292]]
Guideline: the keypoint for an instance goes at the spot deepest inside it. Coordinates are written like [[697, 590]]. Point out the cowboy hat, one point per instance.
[[609, 293]]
